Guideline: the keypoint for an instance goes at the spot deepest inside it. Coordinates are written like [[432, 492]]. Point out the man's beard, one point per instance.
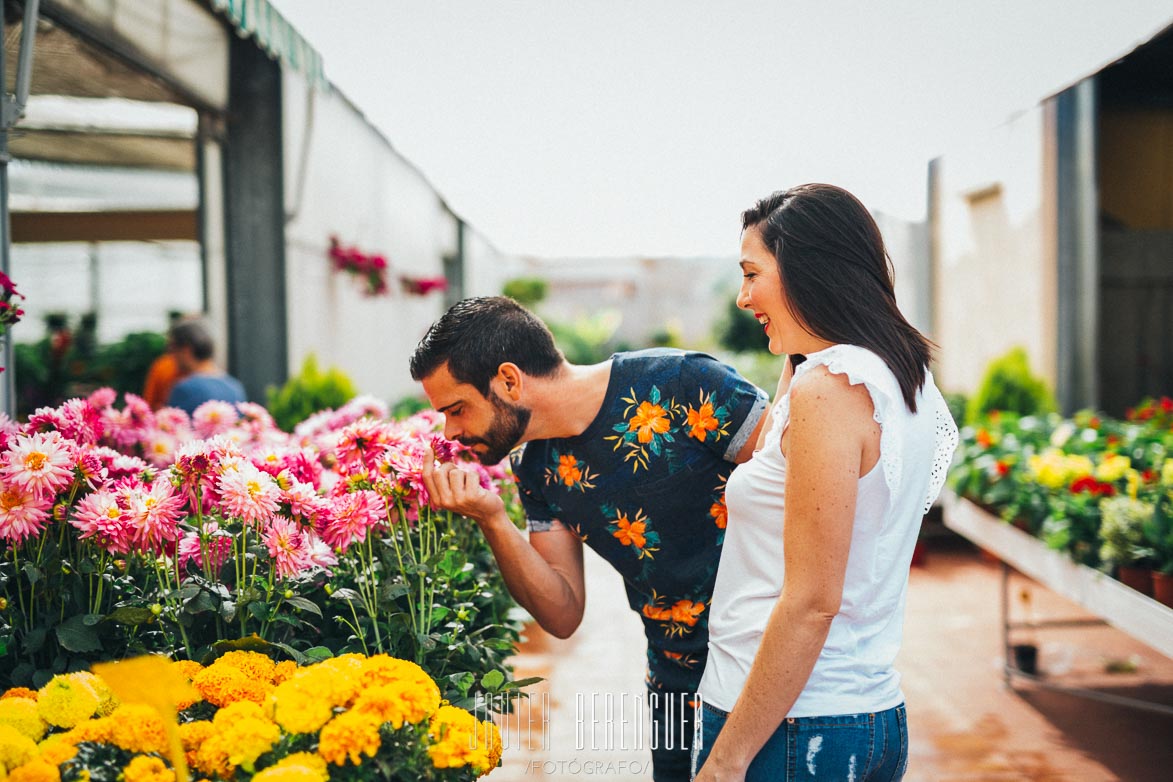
[[505, 431]]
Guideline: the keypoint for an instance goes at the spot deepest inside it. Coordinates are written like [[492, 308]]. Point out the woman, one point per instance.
[[808, 606]]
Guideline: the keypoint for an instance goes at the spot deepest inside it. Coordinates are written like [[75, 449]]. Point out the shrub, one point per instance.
[[308, 392], [526, 291], [1009, 386], [740, 332]]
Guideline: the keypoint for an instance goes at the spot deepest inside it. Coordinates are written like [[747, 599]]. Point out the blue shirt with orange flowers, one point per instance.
[[644, 486]]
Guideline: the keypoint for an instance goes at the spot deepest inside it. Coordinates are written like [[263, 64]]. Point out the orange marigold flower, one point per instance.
[[221, 685], [649, 420], [284, 670], [19, 692], [146, 768], [56, 749], [702, 421], [252, 664], [137, 727], [193, 735], [36, 770], [349, 736]]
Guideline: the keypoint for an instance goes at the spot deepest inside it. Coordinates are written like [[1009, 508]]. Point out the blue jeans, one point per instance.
[[857, 747]]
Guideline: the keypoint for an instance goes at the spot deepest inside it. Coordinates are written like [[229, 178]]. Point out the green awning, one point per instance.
[[261, 21]]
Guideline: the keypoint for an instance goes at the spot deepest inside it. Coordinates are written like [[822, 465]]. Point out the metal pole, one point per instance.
[[11, 109]]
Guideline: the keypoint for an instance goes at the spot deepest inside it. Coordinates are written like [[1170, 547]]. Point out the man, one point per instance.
[[629, 456], [204, 381]]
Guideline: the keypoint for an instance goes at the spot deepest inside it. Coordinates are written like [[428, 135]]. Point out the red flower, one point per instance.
[[983, 438], [1002, 467]]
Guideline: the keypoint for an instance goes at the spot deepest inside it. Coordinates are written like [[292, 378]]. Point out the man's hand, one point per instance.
[[457, 490]]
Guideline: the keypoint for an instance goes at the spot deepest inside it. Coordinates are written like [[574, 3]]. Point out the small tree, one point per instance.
[[308, 392], [740, 332], [526, 291], [1010, 386]]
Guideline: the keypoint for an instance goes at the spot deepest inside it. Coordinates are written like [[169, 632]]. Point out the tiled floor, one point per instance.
[[965, 725]]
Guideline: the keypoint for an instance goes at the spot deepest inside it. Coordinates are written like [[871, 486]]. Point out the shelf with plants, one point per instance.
[[1095, 591]]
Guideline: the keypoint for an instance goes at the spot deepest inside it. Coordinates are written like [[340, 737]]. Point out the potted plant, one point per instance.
[[1158, 534], [1123, 542]]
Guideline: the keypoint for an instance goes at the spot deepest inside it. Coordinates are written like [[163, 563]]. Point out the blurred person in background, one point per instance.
[[163, 373], [203, 380]]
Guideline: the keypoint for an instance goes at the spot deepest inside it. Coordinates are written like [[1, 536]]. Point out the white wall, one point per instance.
[[995, 265], [356, 186]]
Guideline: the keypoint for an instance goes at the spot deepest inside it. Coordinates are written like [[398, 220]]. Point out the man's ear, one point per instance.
[[510, 378]]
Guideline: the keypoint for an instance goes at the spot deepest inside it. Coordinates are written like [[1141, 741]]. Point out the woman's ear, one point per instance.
[[510, 377]]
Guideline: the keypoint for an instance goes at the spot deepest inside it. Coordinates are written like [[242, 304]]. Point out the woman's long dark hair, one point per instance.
[[837, 276]]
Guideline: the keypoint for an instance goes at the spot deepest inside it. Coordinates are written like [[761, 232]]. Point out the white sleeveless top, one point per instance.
[[854, 672]]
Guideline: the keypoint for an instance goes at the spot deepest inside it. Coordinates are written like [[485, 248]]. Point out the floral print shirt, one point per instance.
[[644, 486]]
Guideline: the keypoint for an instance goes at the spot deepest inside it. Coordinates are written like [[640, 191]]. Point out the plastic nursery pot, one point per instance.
[[1163, 588], [1026, 658], [1140, 579]]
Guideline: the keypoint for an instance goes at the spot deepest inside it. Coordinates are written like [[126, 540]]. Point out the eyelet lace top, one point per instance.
[[854, 672]]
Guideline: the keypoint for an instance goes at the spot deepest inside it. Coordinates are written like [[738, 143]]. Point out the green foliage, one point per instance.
[[409, 406], [1009, 386], [526, 291], [1122, 530], [957, 403], [68, 362], [587, 340], [308, 392], [740, 332]]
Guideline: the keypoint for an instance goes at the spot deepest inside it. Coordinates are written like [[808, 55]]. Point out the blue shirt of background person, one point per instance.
[[193, 348]]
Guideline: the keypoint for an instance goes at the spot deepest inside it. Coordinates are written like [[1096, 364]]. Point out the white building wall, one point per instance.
[[350, 183], [995, 267]]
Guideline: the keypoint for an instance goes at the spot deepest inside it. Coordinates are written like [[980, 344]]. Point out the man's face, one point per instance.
[[491, 427]]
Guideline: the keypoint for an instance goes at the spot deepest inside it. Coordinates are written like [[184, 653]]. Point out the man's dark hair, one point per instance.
[[837, 276], [476, 336], [192, 334]]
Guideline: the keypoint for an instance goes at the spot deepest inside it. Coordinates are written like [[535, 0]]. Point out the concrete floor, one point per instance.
[[965, 725]]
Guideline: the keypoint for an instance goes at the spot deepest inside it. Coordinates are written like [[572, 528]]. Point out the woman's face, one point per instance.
[[761, 292]]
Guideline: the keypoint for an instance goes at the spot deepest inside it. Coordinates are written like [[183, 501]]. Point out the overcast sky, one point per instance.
[[560, 127]]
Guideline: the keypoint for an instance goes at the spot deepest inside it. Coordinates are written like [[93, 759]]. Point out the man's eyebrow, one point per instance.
[[448, 407]]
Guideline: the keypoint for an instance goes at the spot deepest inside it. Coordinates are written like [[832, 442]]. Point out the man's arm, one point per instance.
[[544, 574]]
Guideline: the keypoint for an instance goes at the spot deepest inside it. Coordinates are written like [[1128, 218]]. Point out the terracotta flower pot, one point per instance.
[[1140, 579], [1163, 588]]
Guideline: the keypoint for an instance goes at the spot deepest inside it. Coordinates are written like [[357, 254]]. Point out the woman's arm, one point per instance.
[[830, 430]]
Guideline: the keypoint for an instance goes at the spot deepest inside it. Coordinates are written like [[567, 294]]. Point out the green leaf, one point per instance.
[[394, 590], [318, 653], [347, 594], [492, 680], [32, 572], [131, 615], [296, 656], [259, 609], [76, 636], [305, 605], [519, 683], [92, 620]]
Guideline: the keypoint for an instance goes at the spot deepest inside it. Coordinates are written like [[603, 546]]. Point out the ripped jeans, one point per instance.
[[845, 748]]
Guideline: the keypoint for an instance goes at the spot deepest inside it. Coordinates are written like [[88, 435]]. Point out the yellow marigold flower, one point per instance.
[[1055, 469], [298, 708], [221, 685], [288, 774], [298, 767], [22, 714], [1112, 468], [16, 749], [459, 739], [211, 758], [252, 664], [284, 671], [67, 700], [19, 692], [350, 735], [400, 702], [36, 770], [246, 732], [189, 669], [340, 675], [146, 768], [137, 727], [56, 749], [107, 701]]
